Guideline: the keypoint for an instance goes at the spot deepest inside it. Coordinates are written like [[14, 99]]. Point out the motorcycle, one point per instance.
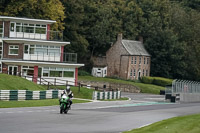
[[64, 104]]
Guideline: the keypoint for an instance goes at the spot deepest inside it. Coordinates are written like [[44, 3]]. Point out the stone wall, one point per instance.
[[106, 86]]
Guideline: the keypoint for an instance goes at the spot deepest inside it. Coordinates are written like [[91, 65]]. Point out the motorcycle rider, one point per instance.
[[69, 93]]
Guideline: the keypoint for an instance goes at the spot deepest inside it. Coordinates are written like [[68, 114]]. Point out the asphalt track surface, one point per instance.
[[95, 117]]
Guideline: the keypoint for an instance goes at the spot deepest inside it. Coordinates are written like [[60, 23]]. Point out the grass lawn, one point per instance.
[[8, 82], [145, 88], [84, 93], [34, 103], [183, 124]]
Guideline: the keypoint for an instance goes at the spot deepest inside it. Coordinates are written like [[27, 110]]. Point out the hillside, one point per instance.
[[8, 82]]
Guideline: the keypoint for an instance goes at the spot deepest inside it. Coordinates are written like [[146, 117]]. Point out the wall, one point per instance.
[[6, 28], [138, 66], [189, 97], [113, 58], [6, 51], [111, 86]]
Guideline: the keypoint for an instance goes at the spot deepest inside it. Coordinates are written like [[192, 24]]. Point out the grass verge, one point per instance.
[[34, 103], [145, 88], [121, 99], [183, 124]]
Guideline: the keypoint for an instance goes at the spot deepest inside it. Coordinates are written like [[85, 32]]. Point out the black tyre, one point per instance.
[[61, 109]]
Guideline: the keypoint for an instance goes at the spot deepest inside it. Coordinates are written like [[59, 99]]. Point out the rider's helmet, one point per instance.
[[68, 89]]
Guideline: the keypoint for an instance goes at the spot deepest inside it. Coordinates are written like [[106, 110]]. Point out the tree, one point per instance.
[[40, 9]]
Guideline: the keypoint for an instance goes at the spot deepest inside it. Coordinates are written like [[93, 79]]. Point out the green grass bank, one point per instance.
[[9, 82], [183, 124]]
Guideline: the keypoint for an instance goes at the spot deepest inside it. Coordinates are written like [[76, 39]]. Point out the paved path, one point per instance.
[[96, 117]]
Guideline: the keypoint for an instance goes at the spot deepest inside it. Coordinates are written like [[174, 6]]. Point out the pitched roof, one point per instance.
[[135, 47]]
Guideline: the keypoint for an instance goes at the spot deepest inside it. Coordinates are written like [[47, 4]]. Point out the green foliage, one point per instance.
[[147, 80], [83, 73], [40, 9], [8, 82], [157, 81]]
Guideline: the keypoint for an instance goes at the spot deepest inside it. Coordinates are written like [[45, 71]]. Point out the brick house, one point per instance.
[[127, 59], [29, 48]]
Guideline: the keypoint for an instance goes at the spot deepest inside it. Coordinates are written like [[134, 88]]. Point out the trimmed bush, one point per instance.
[[147, 80], [157, 81], [83, 73], [162, 81]]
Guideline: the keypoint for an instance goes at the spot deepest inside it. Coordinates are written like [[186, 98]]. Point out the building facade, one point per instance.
[[128, 59], [99, 66], [29, 48]]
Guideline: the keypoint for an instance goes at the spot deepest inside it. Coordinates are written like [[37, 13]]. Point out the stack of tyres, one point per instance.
[[29, 95], [42, 94], [54, 94], [13, 95]]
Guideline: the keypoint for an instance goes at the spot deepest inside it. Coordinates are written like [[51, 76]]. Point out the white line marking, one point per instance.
[[145, 125]]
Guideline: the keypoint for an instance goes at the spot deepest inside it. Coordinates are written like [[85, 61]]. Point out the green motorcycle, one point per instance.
[[64, 104]]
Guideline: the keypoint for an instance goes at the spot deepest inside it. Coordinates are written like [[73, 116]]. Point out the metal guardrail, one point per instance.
[[185, 86], [41, 35]]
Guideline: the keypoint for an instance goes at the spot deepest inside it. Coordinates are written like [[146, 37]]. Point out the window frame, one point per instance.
[[9, 53]]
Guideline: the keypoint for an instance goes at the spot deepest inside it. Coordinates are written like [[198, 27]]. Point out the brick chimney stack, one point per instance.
[[141, 39], [119, 37]]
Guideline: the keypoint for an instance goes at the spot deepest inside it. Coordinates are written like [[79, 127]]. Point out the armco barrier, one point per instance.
[[8, 95], [106, 95]]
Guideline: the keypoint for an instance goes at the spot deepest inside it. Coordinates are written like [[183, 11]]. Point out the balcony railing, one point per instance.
[[41, 35], [52, 57]]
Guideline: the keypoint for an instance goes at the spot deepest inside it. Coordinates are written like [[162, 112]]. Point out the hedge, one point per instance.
[[156, 80]]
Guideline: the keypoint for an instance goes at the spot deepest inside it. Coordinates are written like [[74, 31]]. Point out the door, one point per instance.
[[12, 29], [26, 52], [12, 70]]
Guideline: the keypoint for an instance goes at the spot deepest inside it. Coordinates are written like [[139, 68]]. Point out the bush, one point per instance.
[[83, 73], [162, 81], [147, 80], [157, 81]]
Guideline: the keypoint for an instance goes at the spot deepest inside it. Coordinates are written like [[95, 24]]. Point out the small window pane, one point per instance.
[[26, 49], [68, 74]]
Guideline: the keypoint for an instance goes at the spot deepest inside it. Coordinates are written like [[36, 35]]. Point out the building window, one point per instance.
[[13, 49], [135, 60], [144, 60], [147, 60], [131, 74], [140, 60], [30, 28], [104, 71], [146, 72], [1, 30], [132, 60], [45, 50], [0, 50], [143, 72], [134, 73], [57, 72]]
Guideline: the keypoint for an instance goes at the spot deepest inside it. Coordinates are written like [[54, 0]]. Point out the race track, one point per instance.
[[95, 117]]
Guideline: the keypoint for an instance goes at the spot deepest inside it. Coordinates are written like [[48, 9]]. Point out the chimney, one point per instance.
[[141, 39], [119, 37]]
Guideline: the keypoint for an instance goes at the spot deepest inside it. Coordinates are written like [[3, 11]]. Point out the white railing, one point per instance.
[[53, 57]]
